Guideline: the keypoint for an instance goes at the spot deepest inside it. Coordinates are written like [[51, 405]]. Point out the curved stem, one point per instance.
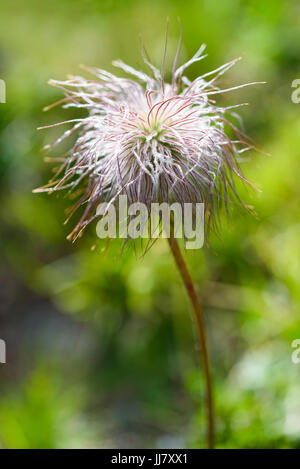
[[198, 313]]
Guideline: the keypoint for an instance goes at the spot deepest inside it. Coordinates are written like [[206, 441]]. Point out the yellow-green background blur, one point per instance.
[[100, 348]]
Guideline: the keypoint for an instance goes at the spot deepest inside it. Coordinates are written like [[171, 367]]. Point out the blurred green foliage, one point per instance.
[[101, 349]]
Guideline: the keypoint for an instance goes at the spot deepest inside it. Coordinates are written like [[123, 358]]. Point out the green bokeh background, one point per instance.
[[100, 348]]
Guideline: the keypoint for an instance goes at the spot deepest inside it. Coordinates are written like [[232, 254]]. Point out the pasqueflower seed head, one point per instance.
[[149, 140]]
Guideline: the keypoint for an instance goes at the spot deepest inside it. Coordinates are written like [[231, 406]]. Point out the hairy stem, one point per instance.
[[198, 313]]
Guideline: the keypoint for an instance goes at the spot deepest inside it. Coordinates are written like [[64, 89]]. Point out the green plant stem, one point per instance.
[[198, 314]]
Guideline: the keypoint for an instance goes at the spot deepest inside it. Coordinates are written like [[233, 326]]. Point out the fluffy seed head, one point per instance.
[[149, 140]]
